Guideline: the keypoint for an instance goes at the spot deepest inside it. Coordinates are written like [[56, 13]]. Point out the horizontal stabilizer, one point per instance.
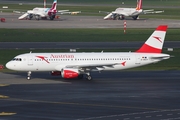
[[72, 13], [61, 11], [160, 58], [151, 12], [148, 10]]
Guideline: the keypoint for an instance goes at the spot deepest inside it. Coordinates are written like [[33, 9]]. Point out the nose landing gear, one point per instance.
[[29, 75]]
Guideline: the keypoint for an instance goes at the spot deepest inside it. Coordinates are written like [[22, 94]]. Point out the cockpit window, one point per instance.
[[16, 59]]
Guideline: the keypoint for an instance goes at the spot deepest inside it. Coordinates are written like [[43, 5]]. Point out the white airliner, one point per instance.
[[75, 65], [44, 12], [121, 13]]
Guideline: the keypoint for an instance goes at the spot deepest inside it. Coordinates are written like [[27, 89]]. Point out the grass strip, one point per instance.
[[82, 35]]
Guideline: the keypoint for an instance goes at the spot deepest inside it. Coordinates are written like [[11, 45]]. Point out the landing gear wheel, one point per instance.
[[88, 77], [30, 16], [37, 17], [135, 17], [52, 17], [28, 78], [29, 75], [121, 17]]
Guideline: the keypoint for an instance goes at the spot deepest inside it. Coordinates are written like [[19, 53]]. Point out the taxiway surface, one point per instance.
[[119, 95], [73, 21]]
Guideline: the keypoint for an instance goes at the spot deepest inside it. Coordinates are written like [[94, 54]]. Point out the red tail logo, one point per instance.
[[158, 38], [139, 5], [54, 5]]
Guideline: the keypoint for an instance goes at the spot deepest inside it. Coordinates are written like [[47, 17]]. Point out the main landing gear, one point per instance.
[[88, 76], [29, 75]]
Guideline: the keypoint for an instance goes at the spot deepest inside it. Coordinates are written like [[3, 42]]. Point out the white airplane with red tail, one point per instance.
[[121, 13], [39, 13], [76, 65]]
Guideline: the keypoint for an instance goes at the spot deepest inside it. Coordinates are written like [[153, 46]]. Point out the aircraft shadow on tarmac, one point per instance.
[[105, 75], [142, 19]]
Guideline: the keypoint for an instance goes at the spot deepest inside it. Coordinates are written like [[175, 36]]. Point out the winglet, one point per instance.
[[155, 42]]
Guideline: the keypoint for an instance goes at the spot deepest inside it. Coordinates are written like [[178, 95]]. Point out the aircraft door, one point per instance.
[[138, 59], [30, 60]]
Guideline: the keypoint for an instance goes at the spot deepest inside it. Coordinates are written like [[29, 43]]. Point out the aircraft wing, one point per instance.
[[91, 67], [104, 12], [19, 12], [23, 16], [151, 11], [94, 67], [110, 15], [67, 12]]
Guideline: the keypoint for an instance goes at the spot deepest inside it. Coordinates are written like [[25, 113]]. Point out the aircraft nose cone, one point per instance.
[[9, 65]]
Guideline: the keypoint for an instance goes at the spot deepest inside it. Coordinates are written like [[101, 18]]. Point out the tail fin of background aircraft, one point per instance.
[[44, 3], [155, 42], [139, 5], [54, 5]]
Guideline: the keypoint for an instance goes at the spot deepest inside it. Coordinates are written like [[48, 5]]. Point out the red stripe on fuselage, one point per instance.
[[148, 49]]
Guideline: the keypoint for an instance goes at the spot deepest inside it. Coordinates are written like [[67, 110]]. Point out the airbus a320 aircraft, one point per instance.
[[121, 13], [75, 65], [44, 12]]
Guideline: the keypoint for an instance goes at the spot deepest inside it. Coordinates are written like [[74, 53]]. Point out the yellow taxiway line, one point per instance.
[[3, 97], [4, 85], [6, 113]]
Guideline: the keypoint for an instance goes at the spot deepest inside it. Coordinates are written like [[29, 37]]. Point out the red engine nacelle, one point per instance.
[[70, 73], [55, 73]]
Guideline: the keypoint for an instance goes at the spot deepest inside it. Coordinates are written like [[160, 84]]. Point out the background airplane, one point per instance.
[[121, 13], [39, 13], [75, 65]]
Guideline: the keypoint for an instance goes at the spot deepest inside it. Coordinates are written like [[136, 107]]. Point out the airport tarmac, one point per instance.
[[77, 21], [118, 95]]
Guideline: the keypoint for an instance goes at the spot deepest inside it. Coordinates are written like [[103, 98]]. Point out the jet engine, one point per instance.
[[70, 73]]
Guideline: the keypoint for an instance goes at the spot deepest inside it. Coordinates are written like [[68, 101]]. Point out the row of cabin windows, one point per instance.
[[84, 59]]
